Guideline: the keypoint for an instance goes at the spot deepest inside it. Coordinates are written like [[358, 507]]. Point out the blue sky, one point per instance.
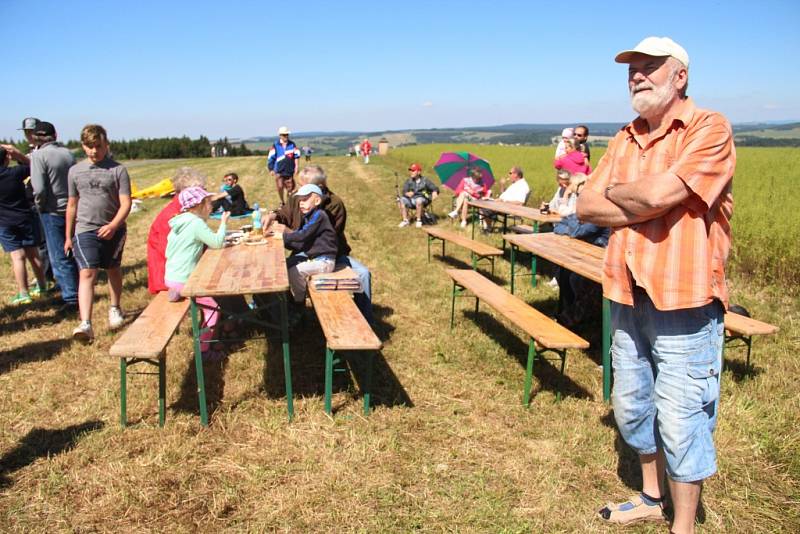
[[243, 68]]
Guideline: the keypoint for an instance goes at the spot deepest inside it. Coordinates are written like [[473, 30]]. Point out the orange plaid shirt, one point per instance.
[[678, 258]]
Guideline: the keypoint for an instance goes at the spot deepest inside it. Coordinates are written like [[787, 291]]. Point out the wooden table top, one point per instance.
[[578, 256], [240, 270], [517, 210]]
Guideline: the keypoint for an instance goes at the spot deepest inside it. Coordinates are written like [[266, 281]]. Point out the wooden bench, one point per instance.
[[541, 329], [521, 229], [145, 341], [478, 250], [739, 327], [345, 329]]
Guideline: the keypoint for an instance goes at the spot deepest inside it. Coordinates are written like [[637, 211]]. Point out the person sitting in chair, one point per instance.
[[516, 193], [418, 192]]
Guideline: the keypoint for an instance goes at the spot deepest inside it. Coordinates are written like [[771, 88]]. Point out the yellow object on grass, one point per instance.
[[161, 189]]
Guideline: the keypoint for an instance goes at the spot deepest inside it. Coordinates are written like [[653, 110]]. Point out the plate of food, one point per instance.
[[255, 239]]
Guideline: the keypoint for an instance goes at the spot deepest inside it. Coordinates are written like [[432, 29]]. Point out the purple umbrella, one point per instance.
[[453, 166]]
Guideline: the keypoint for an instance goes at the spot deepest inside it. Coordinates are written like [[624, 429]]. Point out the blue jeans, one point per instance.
[[64, 269], [362, 300], [667, 368]]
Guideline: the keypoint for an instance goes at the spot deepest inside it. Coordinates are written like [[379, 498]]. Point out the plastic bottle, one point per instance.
[[256, 217]]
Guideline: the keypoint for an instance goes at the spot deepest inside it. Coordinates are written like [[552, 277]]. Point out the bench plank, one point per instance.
[[341, 321], [543, 329], [481, 249], [150, 333], [747, 326]]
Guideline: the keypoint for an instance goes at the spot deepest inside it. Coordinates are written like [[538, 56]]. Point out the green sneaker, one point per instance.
[[36, 291], [21, 298]]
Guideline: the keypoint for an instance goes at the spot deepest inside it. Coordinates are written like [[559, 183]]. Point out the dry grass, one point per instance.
[[448, 448]]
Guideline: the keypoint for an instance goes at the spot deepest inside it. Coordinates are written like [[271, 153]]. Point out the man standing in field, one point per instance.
[[664, 187], [282, 163], [50, 166]]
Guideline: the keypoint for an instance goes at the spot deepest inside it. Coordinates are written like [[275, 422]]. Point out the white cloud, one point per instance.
[[427, 104]]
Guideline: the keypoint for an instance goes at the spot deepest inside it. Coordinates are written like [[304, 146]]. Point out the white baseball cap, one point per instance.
[[283, 130], [656, 47]]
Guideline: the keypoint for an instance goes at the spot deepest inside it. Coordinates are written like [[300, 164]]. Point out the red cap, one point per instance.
[[415, 167]]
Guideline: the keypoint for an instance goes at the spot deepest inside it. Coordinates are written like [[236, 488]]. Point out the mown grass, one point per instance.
[[448, 448]]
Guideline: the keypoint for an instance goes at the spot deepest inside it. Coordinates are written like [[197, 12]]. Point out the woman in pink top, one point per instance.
[[574, 160], [471, 187]]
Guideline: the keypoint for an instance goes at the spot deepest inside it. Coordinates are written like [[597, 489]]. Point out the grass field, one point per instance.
[[449, 447]]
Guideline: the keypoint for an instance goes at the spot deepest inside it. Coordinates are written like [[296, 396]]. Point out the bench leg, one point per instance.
[[563, 355], [747, 369], [533, 270], [287, 363], [162, 389], [526, 397], [505, 229], [477, 303], [198, 363], [123, 392], [513, 262], [606, 349], [368, 381], [474, 261], [453, 305], [535, 227], [328, 379], [429, 248]]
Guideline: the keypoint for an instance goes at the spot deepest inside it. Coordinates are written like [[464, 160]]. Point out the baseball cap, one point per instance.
[[307, 190], [192, 196], [29, 123], [415, 167], [44, 128], [567, 132], [656, 47], [283, 130]]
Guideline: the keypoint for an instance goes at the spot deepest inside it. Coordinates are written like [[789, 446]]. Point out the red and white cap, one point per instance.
[[415, 167]]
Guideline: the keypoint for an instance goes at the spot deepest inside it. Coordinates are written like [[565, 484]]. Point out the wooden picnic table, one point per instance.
[[515, 210], [237, 271], [579, 257]]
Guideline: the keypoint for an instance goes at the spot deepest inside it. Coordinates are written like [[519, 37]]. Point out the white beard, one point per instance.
[[652, 102]]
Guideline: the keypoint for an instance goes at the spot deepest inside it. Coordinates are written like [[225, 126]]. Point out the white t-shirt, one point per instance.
[[516, 192]]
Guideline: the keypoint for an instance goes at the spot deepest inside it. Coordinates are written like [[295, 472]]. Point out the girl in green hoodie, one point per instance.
[[188, 236]]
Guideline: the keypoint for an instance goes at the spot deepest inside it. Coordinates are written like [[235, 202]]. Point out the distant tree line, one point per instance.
[[159, 148]]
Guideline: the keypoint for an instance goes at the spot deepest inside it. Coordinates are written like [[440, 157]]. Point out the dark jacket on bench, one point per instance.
[[315, 237]]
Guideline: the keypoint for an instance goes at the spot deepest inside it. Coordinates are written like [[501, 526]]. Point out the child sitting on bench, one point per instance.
[[189, 235]]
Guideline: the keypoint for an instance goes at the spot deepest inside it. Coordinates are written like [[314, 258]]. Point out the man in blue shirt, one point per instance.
[[282, 163]]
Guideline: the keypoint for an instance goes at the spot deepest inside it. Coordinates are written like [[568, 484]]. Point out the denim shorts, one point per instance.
[[27, 233], [91, 252], [412, 202], [666, 382]]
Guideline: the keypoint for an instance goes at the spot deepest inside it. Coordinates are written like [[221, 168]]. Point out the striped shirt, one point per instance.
[[678, 258]]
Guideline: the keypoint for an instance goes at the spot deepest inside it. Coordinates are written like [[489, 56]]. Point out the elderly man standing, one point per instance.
[[282, 163], [664, 186]]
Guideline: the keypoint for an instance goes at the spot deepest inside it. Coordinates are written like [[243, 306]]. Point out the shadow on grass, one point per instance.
[[547, 372], [214, 378], [32, 352], [41, 443], [738, 368]]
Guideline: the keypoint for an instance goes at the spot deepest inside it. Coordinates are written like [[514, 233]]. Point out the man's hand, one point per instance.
[[434, 195], [107, 232], [67, 245], [16, 155], [410, 194]]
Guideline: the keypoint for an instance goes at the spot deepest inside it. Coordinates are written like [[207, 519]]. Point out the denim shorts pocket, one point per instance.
[[702, 386]]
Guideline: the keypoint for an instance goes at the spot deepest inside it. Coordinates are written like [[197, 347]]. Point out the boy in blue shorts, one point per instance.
[[99, 202]]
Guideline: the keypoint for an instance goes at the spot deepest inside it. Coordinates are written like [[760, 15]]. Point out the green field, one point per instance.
[[766, 232], [448, 448]]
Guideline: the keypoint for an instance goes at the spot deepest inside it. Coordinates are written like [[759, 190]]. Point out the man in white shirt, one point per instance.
[[516, 193]]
